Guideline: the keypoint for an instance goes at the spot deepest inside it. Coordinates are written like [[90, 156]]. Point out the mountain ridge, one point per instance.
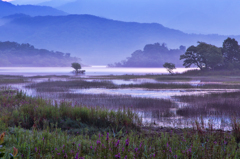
[[32, 10], [94, 38]]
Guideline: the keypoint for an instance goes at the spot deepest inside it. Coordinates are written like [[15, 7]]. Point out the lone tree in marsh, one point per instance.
[[76, 66], [169, 67]]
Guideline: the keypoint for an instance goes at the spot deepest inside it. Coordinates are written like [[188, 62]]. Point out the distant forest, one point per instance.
[[25, 55], [153, 55]]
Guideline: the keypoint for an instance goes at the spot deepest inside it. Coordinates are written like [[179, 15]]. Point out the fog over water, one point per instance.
[[94, 70]]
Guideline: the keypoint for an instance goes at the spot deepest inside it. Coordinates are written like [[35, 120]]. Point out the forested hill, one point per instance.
[[152, 55], [25, 55], [7, 8], [94, 38]]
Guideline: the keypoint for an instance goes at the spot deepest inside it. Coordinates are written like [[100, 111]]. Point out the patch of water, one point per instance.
[[145, 93]]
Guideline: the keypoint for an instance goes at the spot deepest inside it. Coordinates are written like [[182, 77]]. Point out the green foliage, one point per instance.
[[54, 143], [31, 112], [169, 67], [204, 56]]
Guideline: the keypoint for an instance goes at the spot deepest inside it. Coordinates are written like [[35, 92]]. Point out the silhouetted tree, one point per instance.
[[76, 66], [169, 67], [231, 53], [204, 56]]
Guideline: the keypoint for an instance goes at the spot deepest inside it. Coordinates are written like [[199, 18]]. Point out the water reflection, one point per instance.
[[147, 93]]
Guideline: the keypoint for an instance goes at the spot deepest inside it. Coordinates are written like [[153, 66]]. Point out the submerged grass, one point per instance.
[[217, 104], [65, 86], [211, 73], [115, 101], [8, 79]]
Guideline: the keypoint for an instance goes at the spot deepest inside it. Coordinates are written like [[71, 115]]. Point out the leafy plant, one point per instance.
[[2, 148]]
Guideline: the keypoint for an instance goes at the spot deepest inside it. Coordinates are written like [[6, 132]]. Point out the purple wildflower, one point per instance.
[[76, 157], [118, 155], [98, 142], [127, 142], [136, 149], [107, 137], [116, 145]]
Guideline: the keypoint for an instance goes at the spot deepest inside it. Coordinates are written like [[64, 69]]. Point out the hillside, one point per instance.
[[32, 10], [25, 55], [96, 40]]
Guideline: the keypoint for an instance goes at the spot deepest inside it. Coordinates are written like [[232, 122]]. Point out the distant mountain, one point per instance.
[[32, 10], [55, 3], [96, 40], [192, 16]]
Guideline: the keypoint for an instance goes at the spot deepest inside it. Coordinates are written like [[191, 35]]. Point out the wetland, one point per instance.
[[161, 100]]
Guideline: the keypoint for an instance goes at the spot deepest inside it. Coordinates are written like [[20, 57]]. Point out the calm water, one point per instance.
[[94, 70]]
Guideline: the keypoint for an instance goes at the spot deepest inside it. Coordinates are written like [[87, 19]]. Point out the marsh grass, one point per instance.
[[65, 86], [8, 79], [17, 109], [117, 101], [214, 104], [54, 143], [41, 128], [211, 73], [51, 86]]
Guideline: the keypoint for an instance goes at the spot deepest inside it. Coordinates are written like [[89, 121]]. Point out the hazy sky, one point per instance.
[[34, 1]]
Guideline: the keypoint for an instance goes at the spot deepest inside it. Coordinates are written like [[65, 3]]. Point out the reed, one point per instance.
[[17, 109]]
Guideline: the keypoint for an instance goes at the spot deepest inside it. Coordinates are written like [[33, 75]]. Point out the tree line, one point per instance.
[[152, 55], [15, 54], [210, 57]]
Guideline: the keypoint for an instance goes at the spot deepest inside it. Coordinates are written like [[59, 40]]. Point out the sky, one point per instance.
[[34, 1]]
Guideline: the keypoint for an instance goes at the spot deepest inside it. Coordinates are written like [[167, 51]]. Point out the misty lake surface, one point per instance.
[[94, 70]]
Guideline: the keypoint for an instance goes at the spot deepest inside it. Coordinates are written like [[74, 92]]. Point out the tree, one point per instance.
[[76, 66], [169, 67], [204, 56], [231, 53]]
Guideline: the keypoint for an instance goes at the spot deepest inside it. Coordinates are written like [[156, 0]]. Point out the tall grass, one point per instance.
[[27, 112], [214, 104], [64, 86], [54, 143], [212, 73]]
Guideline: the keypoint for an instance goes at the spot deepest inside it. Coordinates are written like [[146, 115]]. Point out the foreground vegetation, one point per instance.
[[38, 128]]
